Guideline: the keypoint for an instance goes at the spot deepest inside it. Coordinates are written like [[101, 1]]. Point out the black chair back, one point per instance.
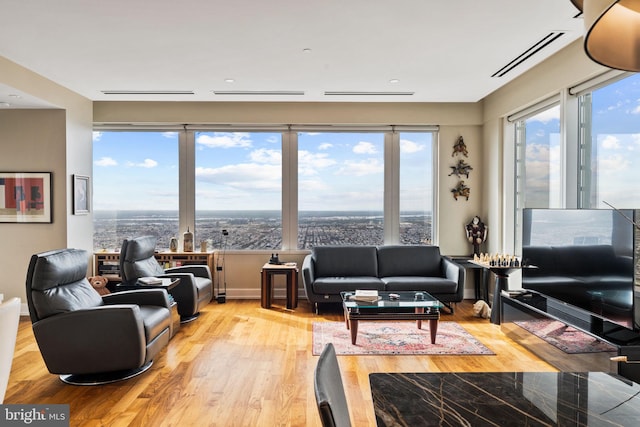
[[137, 258], [329, 390], [57, 283]]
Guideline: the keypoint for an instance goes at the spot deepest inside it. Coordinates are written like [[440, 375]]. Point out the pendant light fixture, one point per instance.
[[612, 32]]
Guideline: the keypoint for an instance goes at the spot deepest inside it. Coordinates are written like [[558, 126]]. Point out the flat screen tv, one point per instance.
[[585, 258]]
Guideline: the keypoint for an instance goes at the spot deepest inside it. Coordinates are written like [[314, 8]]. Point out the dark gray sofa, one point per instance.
[[592, 277], [329, 270]]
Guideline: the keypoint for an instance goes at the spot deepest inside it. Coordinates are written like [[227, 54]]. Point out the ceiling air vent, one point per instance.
[[357, 93], [537, 47], [259, 92], [148, 92]]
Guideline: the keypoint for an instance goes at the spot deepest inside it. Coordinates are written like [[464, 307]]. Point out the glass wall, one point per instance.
[[416, 187], [610, 145], [135, 187], [538, 162], [340, 188], [238, 178]]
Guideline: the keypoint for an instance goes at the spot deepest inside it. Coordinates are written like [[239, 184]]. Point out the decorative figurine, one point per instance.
[[461, 190], [460, 147], [462, 168], [476, 232]]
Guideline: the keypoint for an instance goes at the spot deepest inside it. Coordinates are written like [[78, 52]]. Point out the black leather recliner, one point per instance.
[[195, 289], [86, 338]]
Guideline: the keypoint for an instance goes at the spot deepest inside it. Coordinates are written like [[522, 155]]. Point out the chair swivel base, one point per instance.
[[187, 319], [103, 378]]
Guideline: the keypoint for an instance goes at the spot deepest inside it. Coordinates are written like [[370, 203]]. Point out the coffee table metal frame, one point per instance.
[[424, 306]]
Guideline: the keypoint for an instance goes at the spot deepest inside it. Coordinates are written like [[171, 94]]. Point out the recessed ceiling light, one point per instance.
[[5, 104], [229, 80], [306, 50], [13, 95], [394, 81]]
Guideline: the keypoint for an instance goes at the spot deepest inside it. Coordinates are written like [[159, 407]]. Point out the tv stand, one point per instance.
[[532, 305]]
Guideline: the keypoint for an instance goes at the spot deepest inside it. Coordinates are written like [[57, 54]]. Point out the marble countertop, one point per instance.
[[505, 399]]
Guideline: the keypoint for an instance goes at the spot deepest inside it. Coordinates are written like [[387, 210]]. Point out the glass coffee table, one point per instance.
[[405, 305]]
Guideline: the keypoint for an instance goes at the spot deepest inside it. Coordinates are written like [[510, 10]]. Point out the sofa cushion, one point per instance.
[[397, 260], [335, 285], [431, 285], [346, 261]]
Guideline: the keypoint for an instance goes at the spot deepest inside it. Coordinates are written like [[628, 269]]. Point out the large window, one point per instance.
[[284, 187], [538, 162], [239, 189], [135, 187], [416, 187], [340, 188], [610, 145]]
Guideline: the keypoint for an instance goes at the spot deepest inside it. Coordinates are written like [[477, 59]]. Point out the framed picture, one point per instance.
[[25, 197], [81, 194]]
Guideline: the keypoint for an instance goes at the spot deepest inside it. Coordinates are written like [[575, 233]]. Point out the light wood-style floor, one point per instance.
[[242, 365]]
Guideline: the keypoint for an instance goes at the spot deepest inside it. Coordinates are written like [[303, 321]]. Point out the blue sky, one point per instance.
[[616, 130], [239, 170]]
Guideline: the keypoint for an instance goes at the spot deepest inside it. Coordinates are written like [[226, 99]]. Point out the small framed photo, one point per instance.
[[25, 197], [81, 195]]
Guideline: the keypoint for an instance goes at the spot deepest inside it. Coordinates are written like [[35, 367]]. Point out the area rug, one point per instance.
[[566, 338], [397, 338]]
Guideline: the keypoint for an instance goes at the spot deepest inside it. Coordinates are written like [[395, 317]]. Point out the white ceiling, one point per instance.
[[439, 50]]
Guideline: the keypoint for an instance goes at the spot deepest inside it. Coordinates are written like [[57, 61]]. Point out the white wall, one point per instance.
[[56, 140]]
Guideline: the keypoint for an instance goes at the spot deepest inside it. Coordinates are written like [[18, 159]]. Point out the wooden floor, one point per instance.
[[242, 365]]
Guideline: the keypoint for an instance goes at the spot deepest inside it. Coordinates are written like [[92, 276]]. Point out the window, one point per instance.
[[340, 188], [239, 189], [538, 162], [135, 187], [610, 145], [362, 186], [416, 187]]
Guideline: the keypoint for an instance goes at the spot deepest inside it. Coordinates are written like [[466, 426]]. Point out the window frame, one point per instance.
[[289, 141]]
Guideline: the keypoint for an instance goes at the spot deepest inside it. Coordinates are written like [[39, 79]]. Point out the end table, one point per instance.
[[290, 269]]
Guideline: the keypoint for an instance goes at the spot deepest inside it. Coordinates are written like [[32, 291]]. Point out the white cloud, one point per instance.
[[309, 163], [96, 136], [105, 161], [364, 147], [407, 146], [250, 176], [613, 164], [325, 146], [170, 135], [365, 167], [263, 155], [225, 140], [147, 163], [610, 142]]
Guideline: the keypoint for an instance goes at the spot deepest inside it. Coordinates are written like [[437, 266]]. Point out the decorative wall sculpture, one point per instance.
[[459, 169]]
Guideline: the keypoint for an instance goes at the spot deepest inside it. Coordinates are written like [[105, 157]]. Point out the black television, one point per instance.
[[586, 258]]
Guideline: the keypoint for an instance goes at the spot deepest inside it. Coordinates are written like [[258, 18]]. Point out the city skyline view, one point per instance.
[[255, 229]]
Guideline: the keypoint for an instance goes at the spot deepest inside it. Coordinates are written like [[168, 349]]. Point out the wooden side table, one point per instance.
[[290, 269]]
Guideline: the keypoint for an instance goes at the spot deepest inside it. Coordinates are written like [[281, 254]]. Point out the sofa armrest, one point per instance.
[[154, 296], [196, 270], [454, 271]]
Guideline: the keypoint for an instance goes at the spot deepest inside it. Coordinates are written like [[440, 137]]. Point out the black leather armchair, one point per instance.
[[86, 338], [195, 289]]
